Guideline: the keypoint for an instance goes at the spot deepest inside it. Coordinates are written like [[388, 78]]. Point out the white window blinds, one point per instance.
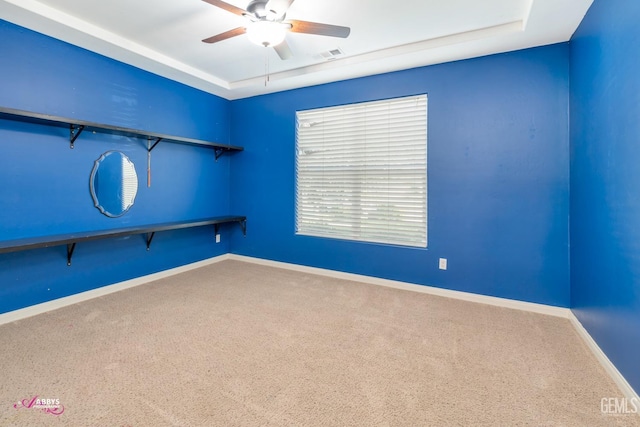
[[361, 171]]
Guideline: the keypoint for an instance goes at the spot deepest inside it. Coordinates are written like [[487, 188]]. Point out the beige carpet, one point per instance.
[[236, 344]]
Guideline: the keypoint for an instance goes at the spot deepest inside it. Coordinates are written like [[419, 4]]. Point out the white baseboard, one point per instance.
[[608, 366], [465, 296], [33, 310]]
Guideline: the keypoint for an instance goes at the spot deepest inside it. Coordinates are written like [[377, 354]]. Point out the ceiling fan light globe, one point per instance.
[[266, 33]]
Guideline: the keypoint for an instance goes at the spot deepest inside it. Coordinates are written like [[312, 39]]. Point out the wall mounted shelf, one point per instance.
[[149, 230], [76, 127]]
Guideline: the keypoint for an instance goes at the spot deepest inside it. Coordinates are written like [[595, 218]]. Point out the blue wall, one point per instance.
[[605, 180], [44, 185], [498, 177]]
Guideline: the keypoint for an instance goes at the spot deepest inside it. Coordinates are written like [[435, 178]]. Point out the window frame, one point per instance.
[[420, 116]]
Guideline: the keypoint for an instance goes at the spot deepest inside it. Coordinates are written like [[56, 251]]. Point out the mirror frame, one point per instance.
[[94, 171]]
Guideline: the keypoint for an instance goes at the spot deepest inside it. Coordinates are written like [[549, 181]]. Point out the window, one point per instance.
[[361, 172]]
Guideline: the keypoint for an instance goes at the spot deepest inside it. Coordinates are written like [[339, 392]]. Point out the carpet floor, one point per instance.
[[238, 344]]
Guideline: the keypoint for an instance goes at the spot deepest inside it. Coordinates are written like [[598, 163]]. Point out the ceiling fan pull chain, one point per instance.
[[266, 66]]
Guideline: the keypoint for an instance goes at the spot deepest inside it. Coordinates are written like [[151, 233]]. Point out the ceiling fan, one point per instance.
[[268, 27]]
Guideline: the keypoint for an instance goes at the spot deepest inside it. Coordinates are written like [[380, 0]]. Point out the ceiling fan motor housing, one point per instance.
[[258, 8]]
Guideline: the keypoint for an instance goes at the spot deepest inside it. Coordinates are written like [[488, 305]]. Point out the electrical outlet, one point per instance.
[[217, 238], [443, 263]]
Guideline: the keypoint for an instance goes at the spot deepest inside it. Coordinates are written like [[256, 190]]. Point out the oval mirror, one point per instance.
[[113, 183]]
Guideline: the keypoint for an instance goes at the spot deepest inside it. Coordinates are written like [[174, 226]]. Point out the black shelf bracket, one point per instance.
[[241, 221], [70, 248], [150, 238], [74, 133], [220, 151], [157, 141]]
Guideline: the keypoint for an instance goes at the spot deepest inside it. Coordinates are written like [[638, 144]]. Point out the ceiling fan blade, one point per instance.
[[283, 50], [226, 35], [319, 29], [226, 6], [280, 7]]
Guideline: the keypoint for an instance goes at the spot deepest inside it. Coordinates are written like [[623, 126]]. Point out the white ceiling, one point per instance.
[[164, 37]]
